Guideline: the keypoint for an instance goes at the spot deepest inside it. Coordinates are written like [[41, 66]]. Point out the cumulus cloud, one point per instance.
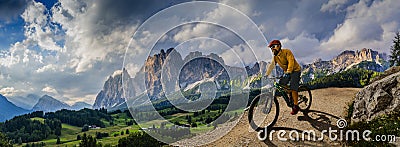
[[72, 48], [49, 90], [302, 46], [87, 39], [49, 67], [38, 30], [8, 91], [366, 26], [333, 6], [50, 55]]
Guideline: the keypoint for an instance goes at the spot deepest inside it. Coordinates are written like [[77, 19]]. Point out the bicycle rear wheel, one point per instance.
[[263, 112], [305, 98]]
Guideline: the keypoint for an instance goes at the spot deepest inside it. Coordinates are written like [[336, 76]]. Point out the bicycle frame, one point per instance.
[[282, 90], [263, 103]]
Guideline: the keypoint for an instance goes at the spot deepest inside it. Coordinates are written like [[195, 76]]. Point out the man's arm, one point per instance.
[[271, 67]]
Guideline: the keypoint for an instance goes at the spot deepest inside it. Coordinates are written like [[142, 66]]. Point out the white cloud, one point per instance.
[[241, 55], [37, 28], [219, 15], [8, 91], [132, 69], [88, 38], [333, 6], [39, 60], [49, 67], [366, 26], [302, 47], [50, 90], [87, 98]]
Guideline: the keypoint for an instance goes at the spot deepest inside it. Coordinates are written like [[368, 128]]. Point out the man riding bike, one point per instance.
[[286, 60]]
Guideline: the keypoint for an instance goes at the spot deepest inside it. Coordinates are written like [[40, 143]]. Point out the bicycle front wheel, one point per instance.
[[263, 112], [305, 98]]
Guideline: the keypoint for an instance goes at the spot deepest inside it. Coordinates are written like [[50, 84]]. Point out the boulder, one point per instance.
[[379, 98]]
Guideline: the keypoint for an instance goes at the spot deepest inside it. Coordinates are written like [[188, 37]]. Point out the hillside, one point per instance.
[[8, 109]]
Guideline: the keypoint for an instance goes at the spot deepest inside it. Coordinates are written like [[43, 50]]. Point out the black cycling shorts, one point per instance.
[[294, 80]]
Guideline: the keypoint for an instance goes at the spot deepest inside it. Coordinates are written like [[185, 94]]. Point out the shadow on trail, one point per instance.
[[317, 119], [322, 120]]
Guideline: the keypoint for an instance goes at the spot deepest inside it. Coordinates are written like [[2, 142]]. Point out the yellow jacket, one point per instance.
[[285, 60]]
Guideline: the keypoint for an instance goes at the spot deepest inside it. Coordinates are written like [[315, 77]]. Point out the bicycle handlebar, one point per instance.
[[279, 77]]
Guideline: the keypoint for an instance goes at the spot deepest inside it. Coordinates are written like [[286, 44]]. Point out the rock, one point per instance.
[[112, 93], [365, 59], [378, 98]]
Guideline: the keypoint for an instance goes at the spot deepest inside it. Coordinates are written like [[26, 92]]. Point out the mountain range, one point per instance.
[[188, 73], [365, 58], [26, 102], [16, 106], [179, 74]]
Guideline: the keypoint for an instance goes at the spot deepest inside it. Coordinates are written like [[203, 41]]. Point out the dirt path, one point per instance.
[[328, 106]]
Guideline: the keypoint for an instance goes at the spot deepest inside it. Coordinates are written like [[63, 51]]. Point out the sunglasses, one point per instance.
[[274, 46]]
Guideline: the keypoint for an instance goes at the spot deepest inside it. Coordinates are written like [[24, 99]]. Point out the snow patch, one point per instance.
[[116, 73]]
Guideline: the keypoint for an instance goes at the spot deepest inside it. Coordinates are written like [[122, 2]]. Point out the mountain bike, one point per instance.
[[264, 109]]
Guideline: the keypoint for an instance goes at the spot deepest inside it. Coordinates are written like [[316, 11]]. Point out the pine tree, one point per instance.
[[4, 142], [58, 140], [20, 141], [395, 51]]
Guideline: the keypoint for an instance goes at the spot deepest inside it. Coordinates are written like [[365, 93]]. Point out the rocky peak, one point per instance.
[[153, 69], [253, 70], [49, 104], [366, 55], [192, 55], [364, 58], [344, 59], [112, 92], [347, 57]]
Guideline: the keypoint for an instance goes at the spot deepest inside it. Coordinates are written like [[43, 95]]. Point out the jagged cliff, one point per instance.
[[112, 93], [365, 58], [167, 72]]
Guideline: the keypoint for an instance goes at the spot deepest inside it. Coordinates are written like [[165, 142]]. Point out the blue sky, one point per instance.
[[67, 49]]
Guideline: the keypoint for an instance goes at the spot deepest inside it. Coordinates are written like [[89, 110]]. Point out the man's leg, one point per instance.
[[295, 96], [294, 85]]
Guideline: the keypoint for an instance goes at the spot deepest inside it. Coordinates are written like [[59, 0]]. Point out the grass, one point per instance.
[[349, 111], [201, 129], [69, 133], [384, 125], [39, 119]]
